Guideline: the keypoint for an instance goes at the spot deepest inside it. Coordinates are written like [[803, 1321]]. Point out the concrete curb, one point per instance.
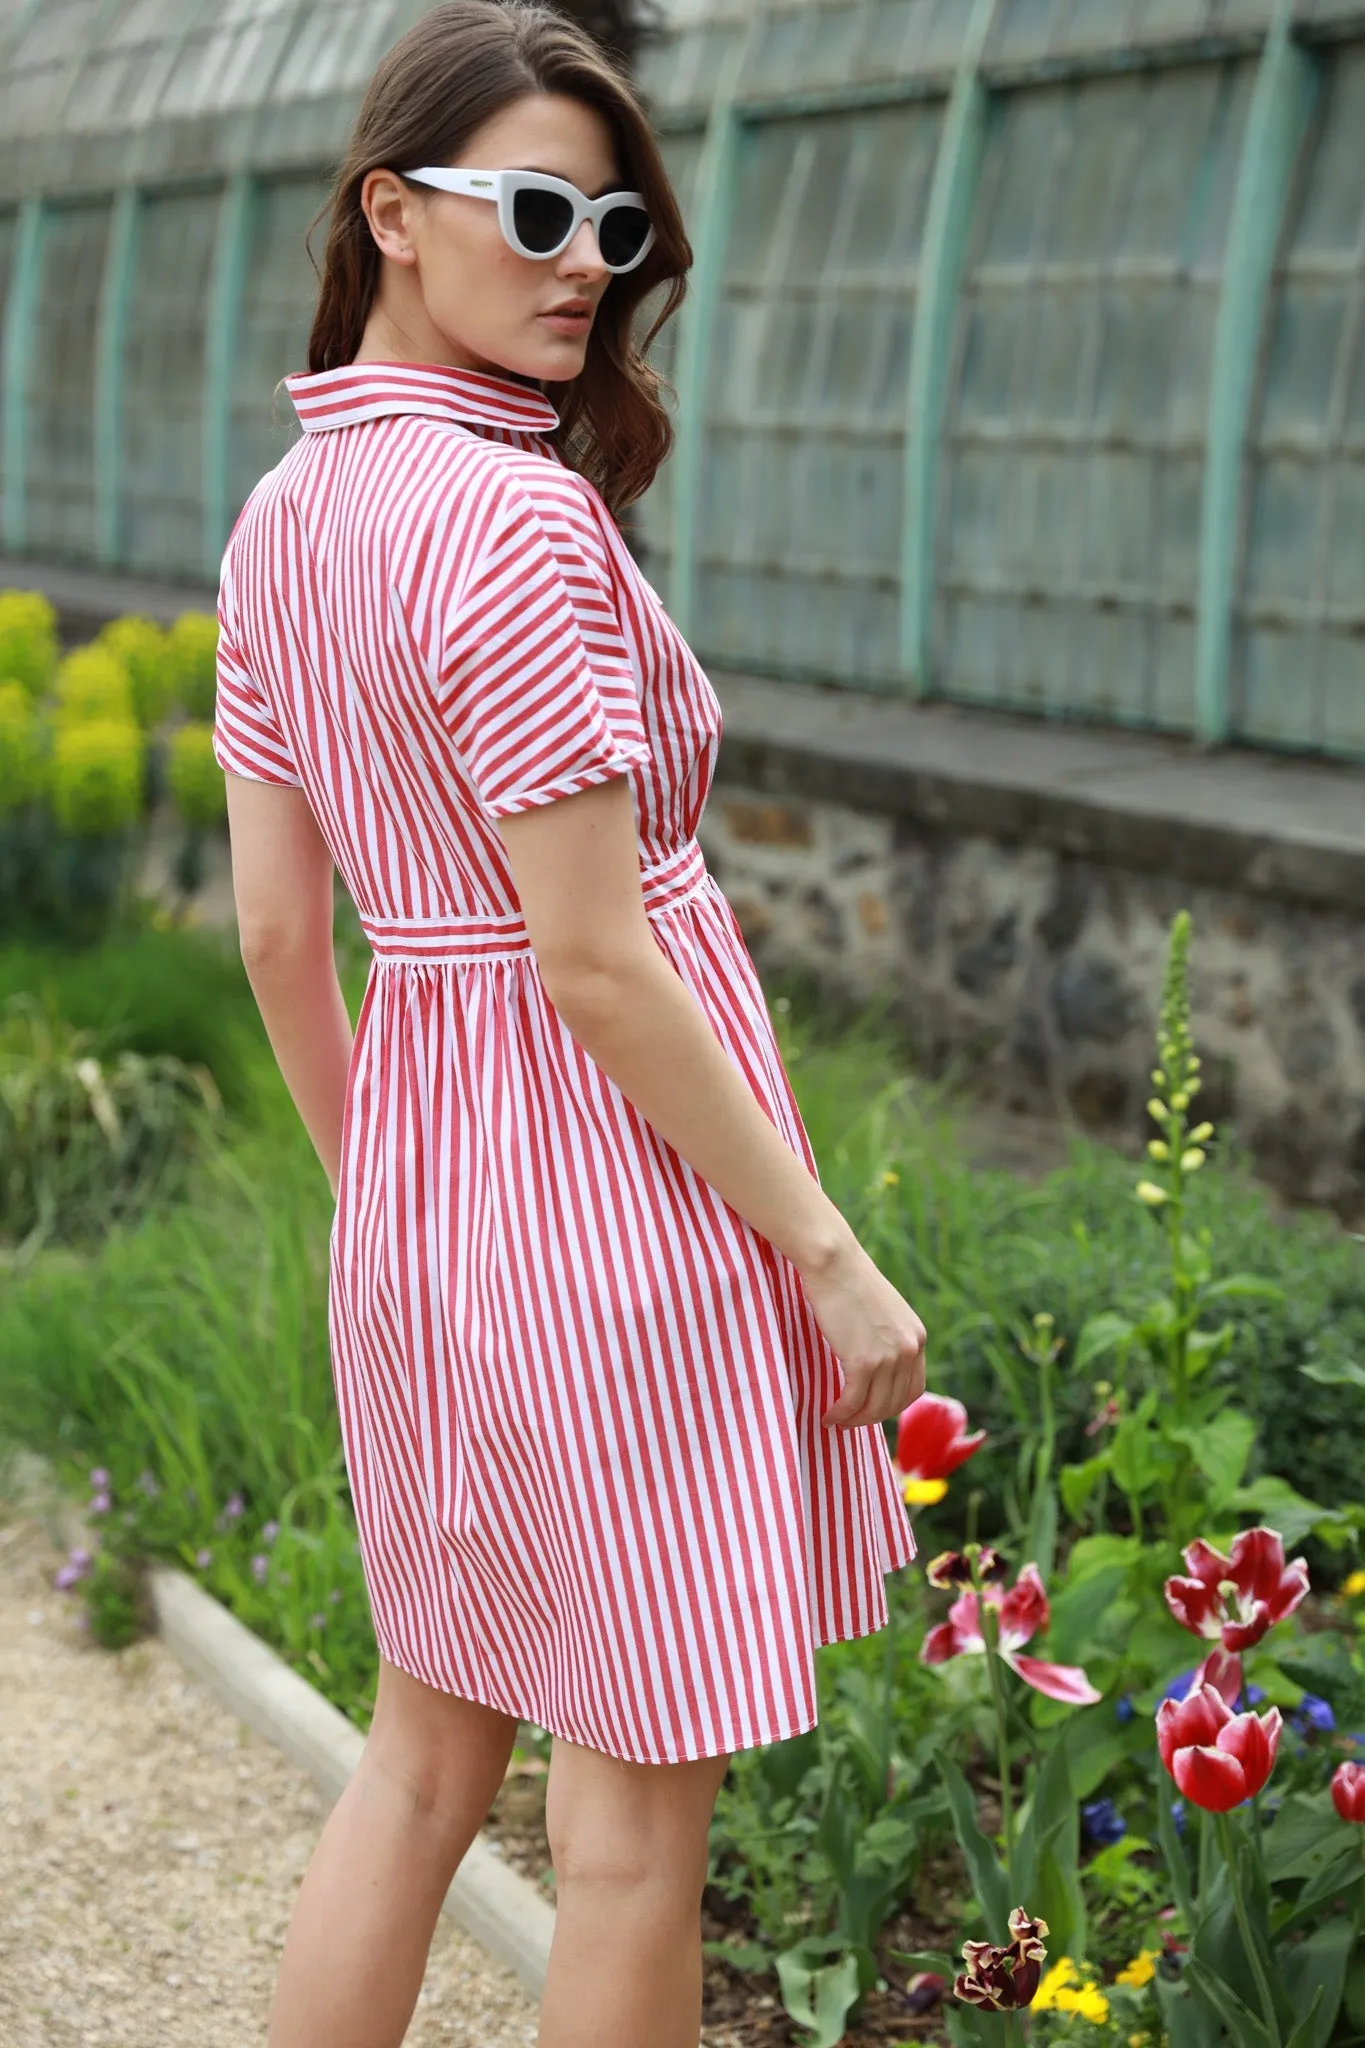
[[496, 1907]]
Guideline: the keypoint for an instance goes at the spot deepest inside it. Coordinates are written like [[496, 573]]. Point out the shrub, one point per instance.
[[94, 685], [196, 780], [28, 640], [84, 1141], [22, 749], [97, 776], [142, 647], [192, 645]]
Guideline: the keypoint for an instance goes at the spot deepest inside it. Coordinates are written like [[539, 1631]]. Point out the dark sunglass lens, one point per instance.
[[624, 229], [542, 219]]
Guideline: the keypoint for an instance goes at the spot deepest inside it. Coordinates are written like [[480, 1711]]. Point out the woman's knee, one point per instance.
[[619, 1827], [445, 1757]]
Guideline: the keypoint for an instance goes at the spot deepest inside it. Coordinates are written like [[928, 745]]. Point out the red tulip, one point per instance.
[[1348, 1791], [1023, 1611], [1216, 1757], [1238, 1598], [931, 1442], [1223, 1671]]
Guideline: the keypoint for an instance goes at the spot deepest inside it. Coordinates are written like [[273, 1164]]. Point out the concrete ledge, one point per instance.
[[493, 1904], [1272, 824]]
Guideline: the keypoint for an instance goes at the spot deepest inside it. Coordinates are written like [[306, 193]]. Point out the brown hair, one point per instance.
[[459, 66]]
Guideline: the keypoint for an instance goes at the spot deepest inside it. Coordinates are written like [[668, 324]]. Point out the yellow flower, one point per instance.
[[922, 1493], [1150, 1193], [1053, 1988], [1354, 1586], [890, 1179], [1141, 1970], [1088, 2003]]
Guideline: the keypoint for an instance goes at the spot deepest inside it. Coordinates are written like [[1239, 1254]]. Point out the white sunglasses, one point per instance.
[[539, 215]]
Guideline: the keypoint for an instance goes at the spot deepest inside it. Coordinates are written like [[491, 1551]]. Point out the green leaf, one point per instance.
[[1183, 2015], [1246, 2030], [1355, 1992], [1078, 1610], [1076, 1483], [818, 1995], [1205, 1347], [1220, 1448], [1173, 1850], [1102, 1333], [1303, 1838], [925, 1959], [987, 1873], [740, 1955], [1315, 1970], [1095, 1744], [1244, 1287], [1334, 1372], [1306, 2033], [1282, 1507]]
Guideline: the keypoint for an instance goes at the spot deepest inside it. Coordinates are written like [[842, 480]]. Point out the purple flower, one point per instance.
[[1103, 1823], [1123, 1707], [260, 1568], [101, 1504], [203, 1558], [1178, 1815], [1252, 1695], [234, 1507], [270, 1532], [149, 1483], [1312, 1712], [1178, 1687], [75, 1568], [99, 1479]]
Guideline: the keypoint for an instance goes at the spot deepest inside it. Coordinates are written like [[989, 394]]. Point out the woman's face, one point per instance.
[[453, 291]]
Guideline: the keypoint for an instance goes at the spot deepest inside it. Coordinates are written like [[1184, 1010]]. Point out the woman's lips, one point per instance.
[[568, 323]]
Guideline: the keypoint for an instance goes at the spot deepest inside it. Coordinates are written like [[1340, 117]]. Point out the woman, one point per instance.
[[589, 1307]]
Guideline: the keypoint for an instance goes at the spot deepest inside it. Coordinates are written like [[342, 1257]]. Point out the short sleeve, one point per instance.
[[247, 739], [535, 682]]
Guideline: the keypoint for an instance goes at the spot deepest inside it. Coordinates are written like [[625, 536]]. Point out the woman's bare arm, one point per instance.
[[576, 866], [282, 875]]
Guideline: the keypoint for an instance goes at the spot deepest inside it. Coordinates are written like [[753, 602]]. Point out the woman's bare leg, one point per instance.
[[357, 1946], [629, 1846]]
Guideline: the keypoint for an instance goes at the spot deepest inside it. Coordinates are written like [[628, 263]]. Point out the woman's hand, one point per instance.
[[873, 1331]]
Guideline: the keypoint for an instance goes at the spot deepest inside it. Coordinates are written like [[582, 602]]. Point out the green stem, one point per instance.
[[1239, 1906], [989, 1632], [1013, 2034]]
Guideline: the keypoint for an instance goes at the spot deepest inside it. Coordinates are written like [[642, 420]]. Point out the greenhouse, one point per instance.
[[1023, 362]]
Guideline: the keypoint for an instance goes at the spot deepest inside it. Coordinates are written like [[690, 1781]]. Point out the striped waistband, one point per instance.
[[416, 940]]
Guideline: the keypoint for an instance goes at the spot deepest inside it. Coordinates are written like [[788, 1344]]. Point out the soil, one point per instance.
[[740, 2009]]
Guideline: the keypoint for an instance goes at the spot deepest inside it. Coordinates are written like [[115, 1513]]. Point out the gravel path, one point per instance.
[[151, 1847]]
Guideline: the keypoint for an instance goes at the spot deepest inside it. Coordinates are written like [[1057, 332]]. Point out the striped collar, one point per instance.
[[374, 391]]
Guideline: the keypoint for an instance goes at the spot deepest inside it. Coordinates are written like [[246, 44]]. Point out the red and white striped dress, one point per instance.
[[580, 1395]]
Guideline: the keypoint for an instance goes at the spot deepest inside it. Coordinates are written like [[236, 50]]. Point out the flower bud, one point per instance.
[[1191, 1161], [1151, 1194], [1181, 1099], [1157, 1111], [1201, 1134], [1158, 1078], [1159, 1150]]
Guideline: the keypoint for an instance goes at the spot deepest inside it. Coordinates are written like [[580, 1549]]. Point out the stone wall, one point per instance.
[[1040, 970]]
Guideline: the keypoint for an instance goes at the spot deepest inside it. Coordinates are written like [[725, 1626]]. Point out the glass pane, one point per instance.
[[61, 419], [163, 422], [277, 312]]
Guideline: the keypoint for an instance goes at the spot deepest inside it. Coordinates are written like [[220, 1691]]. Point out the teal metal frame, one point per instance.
[[236, 224], [1281, 107], [715, 192], [16, 357], [947, 227], [110, 353]]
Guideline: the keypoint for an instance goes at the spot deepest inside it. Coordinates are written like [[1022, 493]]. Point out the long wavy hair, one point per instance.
[[458, 67]]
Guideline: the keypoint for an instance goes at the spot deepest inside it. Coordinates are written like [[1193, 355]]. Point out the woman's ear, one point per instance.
[[387, 205]]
